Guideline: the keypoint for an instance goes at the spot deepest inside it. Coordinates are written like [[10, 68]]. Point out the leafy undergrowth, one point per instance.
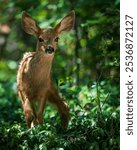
[[94, 123]]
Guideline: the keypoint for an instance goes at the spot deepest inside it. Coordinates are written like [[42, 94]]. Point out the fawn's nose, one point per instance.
[[49, 49]]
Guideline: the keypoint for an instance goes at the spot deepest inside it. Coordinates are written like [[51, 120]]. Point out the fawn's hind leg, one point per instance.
[[61, 105]]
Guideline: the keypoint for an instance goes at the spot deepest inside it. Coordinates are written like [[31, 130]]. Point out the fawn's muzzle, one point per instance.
[[49, 50]]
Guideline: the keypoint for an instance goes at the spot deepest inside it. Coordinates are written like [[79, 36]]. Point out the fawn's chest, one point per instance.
[[36, 71]]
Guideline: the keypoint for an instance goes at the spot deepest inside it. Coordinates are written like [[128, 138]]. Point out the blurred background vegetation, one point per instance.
[[85, 71]]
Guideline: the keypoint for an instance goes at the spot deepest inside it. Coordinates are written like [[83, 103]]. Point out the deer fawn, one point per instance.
[[35, 86]]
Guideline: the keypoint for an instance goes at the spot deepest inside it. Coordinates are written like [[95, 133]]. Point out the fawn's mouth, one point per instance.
[[49, 51]]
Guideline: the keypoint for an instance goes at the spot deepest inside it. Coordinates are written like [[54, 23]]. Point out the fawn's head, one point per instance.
[[47, 38]]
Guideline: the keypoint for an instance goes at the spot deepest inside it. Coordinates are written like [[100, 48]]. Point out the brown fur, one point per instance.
[[35, 86]]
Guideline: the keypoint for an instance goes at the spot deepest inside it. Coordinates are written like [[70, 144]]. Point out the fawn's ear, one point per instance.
[[66, 23], [29, 25]]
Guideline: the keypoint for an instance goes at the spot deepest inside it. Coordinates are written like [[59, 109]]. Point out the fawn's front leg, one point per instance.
[[28, 109], [61, 105], [41, 109], [30, 115]]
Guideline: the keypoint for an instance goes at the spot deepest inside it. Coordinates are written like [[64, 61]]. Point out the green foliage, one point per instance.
[[85, 70], [94, 122]]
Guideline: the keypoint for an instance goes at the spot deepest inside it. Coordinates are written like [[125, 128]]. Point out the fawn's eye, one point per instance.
[[41, 40], [56, 39]]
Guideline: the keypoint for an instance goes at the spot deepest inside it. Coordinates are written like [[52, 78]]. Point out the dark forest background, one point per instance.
[[85, 72]]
